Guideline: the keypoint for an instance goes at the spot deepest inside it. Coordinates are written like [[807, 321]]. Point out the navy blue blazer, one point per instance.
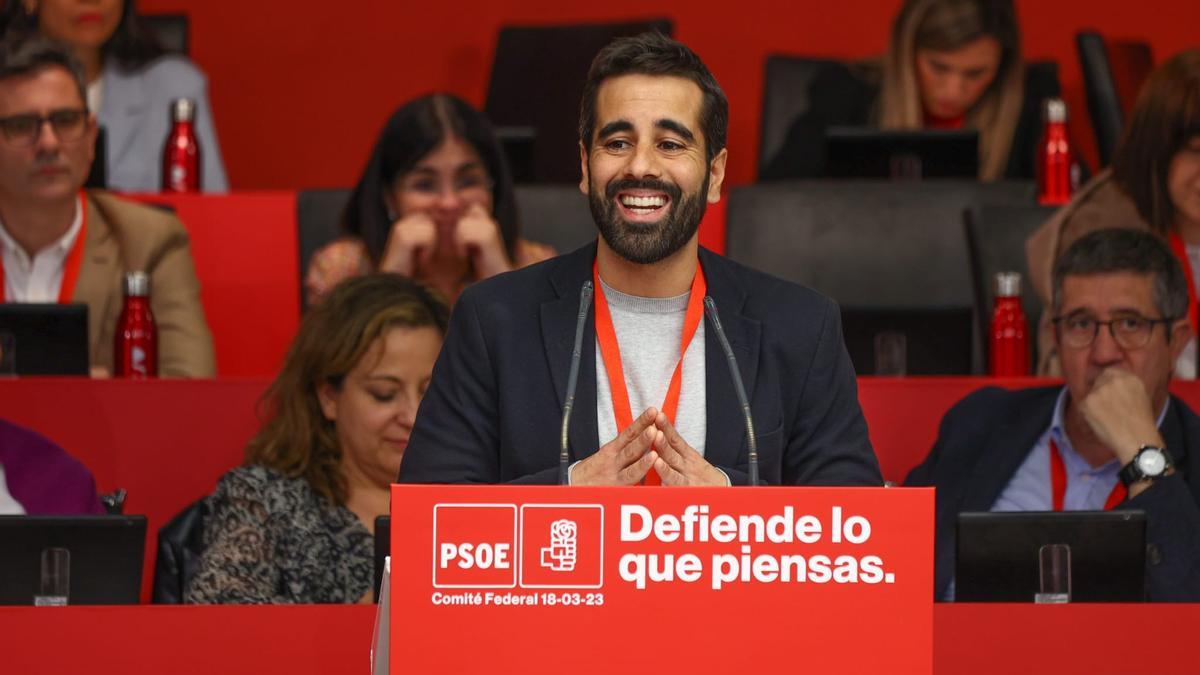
[[493, 410], [984, 439]]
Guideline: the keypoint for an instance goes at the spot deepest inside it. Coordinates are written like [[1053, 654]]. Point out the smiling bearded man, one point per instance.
[[653, 123]]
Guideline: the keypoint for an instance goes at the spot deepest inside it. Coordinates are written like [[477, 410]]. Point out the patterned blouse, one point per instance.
[[347, 257], [270, 539]]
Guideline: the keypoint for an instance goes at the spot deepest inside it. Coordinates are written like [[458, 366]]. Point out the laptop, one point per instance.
[[937, 340], [918, 154], [44, 339], [383, 548], [998, 555], [106, 555]]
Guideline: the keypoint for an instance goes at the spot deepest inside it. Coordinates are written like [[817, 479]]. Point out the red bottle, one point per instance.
[[1054, 156], [1009, 345], [135, 347], [181, 154]]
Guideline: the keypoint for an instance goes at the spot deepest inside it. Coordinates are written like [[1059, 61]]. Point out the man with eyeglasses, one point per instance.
[[1112, 437], [61, 243]]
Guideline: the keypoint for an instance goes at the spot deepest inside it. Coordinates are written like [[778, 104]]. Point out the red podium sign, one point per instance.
[[661, 580]]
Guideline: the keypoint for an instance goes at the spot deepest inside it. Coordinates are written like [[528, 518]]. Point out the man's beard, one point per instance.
[[648, 243]]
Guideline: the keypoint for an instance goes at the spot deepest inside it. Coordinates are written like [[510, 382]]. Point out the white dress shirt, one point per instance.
[[36, 279]]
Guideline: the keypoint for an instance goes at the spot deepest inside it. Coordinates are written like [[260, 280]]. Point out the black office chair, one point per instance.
[[1103, 104], [318, 213], [866, 244], [171, 31], [996, 236], [537, 81], [180, 545], [786, 96]]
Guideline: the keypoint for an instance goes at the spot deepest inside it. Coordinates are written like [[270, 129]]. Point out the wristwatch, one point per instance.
[[1149, 463]]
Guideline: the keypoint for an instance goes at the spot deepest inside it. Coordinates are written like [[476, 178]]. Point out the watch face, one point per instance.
[[1151, 462]]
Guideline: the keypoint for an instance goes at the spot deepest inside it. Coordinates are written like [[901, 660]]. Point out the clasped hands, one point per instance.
[[651, 442], [413, 242]]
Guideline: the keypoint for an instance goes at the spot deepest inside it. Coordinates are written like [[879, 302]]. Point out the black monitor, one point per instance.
[[383, 548], [106, 554], [44, 339], [918, 154], [936, 340], [998, 555]]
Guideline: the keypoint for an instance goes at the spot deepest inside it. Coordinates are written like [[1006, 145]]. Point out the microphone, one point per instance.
[[710, 308], [564, 455]]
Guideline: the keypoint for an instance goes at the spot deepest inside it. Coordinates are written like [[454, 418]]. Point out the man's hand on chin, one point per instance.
[[679, 463], [1120, 413]]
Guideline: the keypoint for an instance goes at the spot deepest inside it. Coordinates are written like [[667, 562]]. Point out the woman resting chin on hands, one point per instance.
[[435, 203]]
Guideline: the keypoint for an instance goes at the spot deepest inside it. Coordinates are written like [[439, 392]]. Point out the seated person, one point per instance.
[[951, 64], [1120, 303], [60, 243], [39, 478], [131, 83], [435, 203], [295, 523], [1153, 185]]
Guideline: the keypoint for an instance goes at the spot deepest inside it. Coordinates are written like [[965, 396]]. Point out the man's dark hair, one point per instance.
[[656, 54], [32, 54], [1126, 250]]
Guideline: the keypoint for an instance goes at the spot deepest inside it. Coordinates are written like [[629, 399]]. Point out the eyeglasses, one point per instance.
[[69, 125], [467, 184], [1131, 331]]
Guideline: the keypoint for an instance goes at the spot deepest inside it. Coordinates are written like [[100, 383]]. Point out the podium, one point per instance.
[[697, 580]]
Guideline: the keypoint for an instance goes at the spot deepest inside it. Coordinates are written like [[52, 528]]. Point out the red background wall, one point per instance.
[[300, 87]]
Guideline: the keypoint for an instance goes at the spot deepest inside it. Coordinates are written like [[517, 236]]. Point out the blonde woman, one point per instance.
[[951, 64]]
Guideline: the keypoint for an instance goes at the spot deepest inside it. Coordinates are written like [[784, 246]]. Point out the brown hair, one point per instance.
[[296, 439], [947, 25], [1165, 117]]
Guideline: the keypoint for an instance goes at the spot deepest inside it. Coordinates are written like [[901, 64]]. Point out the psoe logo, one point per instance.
[[562, 546], [474, 545], [560, 555]]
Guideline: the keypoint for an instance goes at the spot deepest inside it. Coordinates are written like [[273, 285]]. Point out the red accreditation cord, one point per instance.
[[611, 351], [71, 264], [1058, 483], [1180, 251]]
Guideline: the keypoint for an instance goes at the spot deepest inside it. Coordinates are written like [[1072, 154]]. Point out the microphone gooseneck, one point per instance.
[[710, 308], [564, 450]]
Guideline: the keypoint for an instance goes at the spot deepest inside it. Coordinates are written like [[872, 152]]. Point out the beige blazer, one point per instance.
[[1099, 205], [123, 236]]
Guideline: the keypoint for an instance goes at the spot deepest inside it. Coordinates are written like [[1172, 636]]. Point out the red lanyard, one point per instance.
[[1180, 251], [611, 351], [71, 264], [1058, 482]]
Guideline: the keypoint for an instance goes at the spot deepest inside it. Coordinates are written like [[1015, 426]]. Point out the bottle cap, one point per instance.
[[183, 109], [1056, 110], [137, 285], [1007, 284]]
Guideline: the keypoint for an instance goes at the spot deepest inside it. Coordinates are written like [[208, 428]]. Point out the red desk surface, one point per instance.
[[328, 640], [168, 441], [246, 253]]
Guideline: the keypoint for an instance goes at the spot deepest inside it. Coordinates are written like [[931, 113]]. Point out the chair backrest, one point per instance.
[[786, 84], [996, 235], [180, 545], [170, 29], [557, 215], [538, 74], [318, 213], [866, 244], [1103, 104]]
